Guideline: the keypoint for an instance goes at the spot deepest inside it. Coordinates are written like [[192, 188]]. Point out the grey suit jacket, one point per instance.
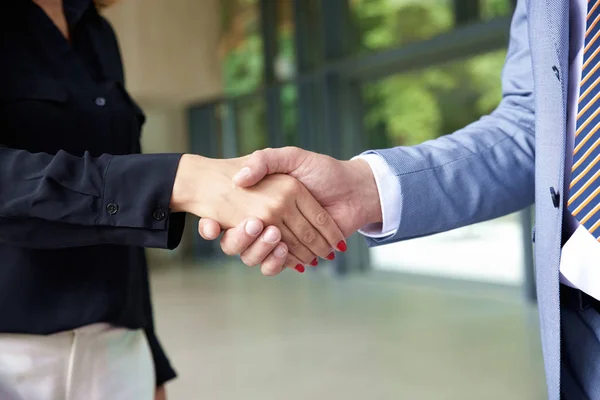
[[504, 161]]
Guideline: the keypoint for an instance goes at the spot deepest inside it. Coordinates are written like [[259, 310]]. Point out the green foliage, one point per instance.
[[243, 67], [404, 109], [413, 107], [423, 105], [495, 8], [386, 23], [251, 125]]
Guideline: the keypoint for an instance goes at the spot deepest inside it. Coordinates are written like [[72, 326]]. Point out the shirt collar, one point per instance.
[[74, 9]]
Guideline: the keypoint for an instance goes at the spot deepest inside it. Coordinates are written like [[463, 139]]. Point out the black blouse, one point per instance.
[[77, 201]]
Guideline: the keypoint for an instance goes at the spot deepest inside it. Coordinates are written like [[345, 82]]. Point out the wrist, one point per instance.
[[200, 183], [365, 193], [184, 187]]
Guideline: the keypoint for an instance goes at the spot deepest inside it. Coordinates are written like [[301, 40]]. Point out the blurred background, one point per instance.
[[451, 316]]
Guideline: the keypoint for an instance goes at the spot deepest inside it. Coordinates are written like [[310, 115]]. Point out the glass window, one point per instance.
[[289, 111], [496, 8], [285, 61], [389, 23], [241, 46], [409, 108], [251, 127]]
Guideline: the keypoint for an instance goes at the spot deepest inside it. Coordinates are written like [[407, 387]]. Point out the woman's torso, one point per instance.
[[56, 95]]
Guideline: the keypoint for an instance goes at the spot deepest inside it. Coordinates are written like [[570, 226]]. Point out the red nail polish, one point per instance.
[[300, 268], [314, 262], [330, 256], [342, 246]]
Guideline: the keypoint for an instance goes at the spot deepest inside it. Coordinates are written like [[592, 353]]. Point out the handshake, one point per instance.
[[279, 207]]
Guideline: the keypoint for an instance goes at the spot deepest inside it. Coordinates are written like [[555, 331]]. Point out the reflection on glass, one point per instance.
[[241, 46], [410, 108], [496, 8], [218, 116], [251, 127], [388, 23], [285, 60], [289, 118]]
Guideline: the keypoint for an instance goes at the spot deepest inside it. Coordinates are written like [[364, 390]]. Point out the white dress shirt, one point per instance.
[[579, 267]]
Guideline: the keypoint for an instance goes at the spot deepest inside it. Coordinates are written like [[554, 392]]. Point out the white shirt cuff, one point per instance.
[[389, 197]]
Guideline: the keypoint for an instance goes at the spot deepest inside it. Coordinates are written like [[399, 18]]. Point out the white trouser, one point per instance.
[[95, 362]]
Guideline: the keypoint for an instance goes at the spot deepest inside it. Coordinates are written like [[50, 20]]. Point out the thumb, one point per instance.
[[284, 160]]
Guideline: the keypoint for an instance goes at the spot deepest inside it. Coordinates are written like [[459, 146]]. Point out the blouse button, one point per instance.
[[112, 208], [159, 214], [100, 101]]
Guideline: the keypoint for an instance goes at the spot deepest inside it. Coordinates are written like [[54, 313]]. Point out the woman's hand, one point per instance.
[[161, 393], [203, 187]]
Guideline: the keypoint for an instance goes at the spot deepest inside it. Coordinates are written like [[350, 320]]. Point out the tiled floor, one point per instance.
[[233, 334]]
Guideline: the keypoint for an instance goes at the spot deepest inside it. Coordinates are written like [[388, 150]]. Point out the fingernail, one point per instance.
[[300, 268], [244, 172], [205, 230], [342, 246], [271, 235], [280, 252], [253, 227], [314, 262], [330, 256]]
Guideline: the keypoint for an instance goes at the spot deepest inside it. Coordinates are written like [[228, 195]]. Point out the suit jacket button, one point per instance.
[[555, 197], [112, 208], [159, 214]]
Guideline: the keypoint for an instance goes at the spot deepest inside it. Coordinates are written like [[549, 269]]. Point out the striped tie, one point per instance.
[[584, 202]]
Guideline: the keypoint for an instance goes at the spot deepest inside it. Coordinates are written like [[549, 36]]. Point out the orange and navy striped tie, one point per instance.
[[584, 199]]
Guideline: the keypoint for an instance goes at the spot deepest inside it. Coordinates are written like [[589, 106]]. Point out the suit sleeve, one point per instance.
[[58, 201], [480, 172]]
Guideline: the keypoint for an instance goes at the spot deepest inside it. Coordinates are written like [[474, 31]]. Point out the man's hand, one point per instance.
[[346, 189]]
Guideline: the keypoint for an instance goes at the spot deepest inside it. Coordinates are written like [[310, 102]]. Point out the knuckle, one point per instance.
[[294, 186], [257, 157], [230, 246], [293, 246], [277, 204], [270, 270], [227, 250], [249, 260], [261, 154], [322, 218], [287, 186], [309, 236], [268, 216]]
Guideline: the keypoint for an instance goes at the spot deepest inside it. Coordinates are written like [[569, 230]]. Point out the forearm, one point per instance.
[[51, 201], [483, 171]]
